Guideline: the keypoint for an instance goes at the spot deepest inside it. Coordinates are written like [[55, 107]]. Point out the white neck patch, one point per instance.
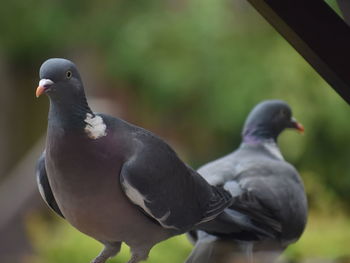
[[273, 149], [95, 127]]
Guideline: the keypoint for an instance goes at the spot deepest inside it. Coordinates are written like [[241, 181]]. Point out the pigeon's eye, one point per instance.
[[282, 114], [68, 74]]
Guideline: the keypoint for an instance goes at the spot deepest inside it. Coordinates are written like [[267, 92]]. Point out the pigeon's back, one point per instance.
[[269, 207], [274, 185]]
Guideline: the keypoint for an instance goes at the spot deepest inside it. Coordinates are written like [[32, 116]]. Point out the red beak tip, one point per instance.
[[300, 128]]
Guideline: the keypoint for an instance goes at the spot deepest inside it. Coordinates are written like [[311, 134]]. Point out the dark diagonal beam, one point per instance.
[[344, 6], [317, 33]]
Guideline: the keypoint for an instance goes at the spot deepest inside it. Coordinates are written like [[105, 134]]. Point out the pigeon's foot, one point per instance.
[[138, 255], [110, 250]]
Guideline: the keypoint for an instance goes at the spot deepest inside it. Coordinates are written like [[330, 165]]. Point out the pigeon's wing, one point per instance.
[[261, 198], [44, 186], [274, 199], [169, 191], [254, 213], [259, 213]]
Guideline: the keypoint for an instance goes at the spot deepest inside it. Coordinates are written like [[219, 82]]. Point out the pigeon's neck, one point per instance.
[[262, 138], [256, 135], [69, 116]]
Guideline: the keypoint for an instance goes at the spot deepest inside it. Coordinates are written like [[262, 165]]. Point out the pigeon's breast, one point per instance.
[[85, 183]]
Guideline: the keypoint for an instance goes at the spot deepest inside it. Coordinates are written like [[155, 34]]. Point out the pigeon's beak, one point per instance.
[[294, 124], [44, 85]]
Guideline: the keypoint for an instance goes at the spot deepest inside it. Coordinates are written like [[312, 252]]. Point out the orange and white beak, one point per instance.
[[294, 124], [44, 84]]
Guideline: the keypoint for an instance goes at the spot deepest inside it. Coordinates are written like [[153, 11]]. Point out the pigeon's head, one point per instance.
[[268, 119], [60, 80]]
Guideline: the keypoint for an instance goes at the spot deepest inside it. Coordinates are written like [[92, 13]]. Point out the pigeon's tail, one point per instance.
[[211, 249], [233, 224], [203, 251]]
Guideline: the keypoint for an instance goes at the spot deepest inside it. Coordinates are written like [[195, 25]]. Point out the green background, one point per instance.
[[190, 71]]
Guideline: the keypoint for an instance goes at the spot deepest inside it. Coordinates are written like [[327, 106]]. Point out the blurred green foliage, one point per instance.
[[325, 238], [194, 69]]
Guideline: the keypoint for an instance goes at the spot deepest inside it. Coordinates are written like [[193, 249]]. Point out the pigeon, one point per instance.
[[112, 180], [267, 192]]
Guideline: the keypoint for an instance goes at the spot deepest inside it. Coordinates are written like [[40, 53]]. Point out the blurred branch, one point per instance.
[[19, 185], [17, 193]]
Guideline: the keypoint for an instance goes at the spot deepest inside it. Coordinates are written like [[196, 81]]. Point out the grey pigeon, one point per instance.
[[268, 193], [112, 180]]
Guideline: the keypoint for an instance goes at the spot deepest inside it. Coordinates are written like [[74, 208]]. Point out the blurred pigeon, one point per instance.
[[114, 181], [268, 194]]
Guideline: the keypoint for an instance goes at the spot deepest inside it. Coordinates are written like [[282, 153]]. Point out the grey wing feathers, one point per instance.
[[173, 207], [168, 190], [235, 224], [218, 202], [260, 214], [44, 186], [251, 215]]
